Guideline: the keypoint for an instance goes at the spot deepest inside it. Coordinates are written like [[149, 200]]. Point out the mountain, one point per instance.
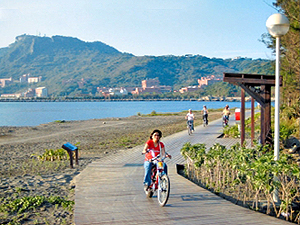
[[68, 65]]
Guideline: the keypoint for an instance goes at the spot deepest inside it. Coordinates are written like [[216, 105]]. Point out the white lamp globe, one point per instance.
[[278, 25]]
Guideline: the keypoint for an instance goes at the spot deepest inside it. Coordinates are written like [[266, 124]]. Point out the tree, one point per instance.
[[290, 66], [290, 52], [291, 61]]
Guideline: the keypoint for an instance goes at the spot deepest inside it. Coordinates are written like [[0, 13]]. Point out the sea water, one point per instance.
[[35, 113]]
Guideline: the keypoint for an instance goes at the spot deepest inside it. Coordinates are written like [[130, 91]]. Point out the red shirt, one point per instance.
[[153, 151]]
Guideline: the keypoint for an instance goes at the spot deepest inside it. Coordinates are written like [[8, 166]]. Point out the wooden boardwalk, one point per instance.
[[110, 191]]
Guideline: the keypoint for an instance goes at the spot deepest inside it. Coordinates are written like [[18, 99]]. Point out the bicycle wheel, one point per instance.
[[163, 191]]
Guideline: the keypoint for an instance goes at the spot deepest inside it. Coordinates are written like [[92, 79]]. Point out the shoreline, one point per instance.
[[203, 99]]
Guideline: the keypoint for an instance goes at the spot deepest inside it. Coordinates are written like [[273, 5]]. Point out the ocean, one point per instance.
[[36, 113]]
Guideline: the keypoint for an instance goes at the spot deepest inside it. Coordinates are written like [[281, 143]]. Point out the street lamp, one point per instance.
[[277, 25]]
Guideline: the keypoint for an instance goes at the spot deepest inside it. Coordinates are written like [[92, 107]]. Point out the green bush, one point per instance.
[[232, 131], [53, 155], [247, 175]]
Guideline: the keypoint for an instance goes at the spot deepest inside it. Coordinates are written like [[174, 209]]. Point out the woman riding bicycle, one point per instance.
[[226, 114], [153, 147]]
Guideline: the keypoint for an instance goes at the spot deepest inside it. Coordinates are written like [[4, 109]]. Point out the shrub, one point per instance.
[[247, 175]]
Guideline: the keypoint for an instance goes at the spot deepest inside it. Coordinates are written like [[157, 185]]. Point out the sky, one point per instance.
[[212, 28]]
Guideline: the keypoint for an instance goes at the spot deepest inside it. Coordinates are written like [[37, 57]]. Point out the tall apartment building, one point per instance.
[[41, 92]]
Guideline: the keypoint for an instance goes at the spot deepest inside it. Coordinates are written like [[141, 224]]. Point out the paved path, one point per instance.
[[110, 191]]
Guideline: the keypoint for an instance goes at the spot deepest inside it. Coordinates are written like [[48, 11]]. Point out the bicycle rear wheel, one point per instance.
[[163, 191], [189, 130]]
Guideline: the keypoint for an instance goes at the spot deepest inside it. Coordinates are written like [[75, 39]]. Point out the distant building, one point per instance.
[[150, 83], [41, 92], [5, 81], [148, 86], [189, 89], [203, 81], [207, 80], [26, 78], [151, 86], [118, 91], [10, 95], [34, 79], [165, 88], [30, 93]]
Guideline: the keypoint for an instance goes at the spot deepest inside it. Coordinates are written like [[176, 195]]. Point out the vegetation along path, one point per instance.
[[110, 191]]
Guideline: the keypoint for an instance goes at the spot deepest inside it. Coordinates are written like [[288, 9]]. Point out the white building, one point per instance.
[[34, 79], [41, 92], [118, 91]]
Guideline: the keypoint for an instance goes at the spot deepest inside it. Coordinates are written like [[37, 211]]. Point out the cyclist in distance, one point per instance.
[[190, 118], [205, 115], [153, 147], [226, 114]]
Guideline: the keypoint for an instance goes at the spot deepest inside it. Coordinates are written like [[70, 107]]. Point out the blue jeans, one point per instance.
[[148, 167]]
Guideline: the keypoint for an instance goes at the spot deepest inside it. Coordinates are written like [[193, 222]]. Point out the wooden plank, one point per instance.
[[250, 79], [110, 190]]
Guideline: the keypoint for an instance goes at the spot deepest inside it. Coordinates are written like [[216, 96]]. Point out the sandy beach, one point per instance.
[[23, 175]]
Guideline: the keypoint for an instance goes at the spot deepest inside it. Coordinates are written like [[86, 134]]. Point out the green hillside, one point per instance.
[[64, 61]]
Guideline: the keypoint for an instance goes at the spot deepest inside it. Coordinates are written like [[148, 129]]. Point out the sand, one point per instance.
[[22, 175]]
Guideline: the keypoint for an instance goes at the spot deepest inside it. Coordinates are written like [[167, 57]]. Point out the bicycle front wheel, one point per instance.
[[163, 191]]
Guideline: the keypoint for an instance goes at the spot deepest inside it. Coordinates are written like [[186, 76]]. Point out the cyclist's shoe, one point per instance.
[[146, 187]]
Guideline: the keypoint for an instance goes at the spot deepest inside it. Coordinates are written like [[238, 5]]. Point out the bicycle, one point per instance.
[[160, 181], [190, 127], [225, 121], [205, 120]]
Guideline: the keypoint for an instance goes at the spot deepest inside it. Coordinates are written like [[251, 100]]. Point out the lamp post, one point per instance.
[[277, 25]]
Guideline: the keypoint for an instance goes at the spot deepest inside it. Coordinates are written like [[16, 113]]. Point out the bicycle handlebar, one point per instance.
[[158, 156]]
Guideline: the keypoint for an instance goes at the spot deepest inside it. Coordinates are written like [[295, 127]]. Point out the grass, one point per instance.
[[19, 208]]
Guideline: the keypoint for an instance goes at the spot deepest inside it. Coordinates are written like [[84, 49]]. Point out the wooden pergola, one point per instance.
[[259, 88]]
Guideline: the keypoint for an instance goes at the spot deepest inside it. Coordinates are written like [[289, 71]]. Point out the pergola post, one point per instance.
[[242, 117], [258, 87]]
